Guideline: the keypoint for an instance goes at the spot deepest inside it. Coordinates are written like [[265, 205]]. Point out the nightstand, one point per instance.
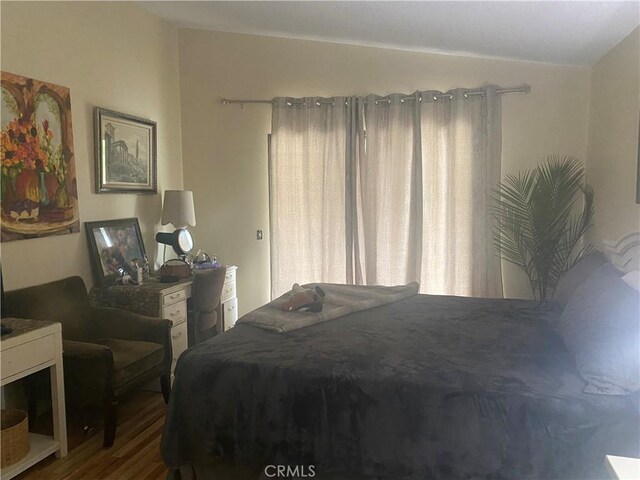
[[623, 468]]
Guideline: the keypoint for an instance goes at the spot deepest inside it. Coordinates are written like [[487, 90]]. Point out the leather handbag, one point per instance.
[[176, 268]]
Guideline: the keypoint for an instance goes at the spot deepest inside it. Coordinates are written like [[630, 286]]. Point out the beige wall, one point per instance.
[[224, 147], [113, 55], [613, 140], [117, 56]]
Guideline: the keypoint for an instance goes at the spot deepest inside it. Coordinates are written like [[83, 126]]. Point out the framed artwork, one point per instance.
[[125, 153], [114, 245], [39, 189]]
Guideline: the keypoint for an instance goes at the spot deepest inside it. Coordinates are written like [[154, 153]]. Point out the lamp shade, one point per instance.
[[178, 209]]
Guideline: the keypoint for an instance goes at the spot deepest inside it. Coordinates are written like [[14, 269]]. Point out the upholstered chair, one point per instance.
[[106, 351], [204, 312]]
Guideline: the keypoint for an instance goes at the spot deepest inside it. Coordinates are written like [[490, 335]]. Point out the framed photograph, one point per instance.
[[125, 153], [114, 245]]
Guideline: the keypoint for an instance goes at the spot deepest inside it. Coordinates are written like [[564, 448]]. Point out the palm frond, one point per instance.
[[536, 227]]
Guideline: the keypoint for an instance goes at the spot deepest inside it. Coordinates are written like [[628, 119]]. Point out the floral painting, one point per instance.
[[39, 192]]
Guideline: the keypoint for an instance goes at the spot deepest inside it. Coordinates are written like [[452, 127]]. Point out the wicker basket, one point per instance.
[[14, 437]]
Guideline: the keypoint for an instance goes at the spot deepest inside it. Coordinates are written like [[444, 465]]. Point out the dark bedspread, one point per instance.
[[427, 387]]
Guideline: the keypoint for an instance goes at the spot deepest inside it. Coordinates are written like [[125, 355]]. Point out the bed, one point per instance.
[[426, 387]]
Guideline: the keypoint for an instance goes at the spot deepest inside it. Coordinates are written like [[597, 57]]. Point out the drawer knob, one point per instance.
[[176, 336]]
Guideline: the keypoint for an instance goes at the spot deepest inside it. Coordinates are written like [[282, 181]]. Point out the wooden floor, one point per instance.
[[134, 455]]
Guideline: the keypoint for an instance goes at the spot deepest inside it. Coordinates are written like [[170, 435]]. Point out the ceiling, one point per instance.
[[569, 33]]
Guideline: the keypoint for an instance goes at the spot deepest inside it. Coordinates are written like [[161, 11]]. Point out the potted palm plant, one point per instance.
[[541, 216]]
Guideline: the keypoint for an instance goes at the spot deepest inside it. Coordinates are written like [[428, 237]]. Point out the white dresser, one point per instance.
[[229, 299], [173, 306]]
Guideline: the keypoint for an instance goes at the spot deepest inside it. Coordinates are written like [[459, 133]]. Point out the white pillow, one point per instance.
[[633, 279]]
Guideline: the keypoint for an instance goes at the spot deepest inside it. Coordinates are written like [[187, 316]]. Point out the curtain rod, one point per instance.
[[522, 89]]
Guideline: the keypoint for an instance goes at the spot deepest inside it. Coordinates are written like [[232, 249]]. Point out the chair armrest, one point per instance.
[[126, 325], [88, 372], [86, 351]]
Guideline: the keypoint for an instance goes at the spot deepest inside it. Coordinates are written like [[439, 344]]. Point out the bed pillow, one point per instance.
[[577, 275], [600, 326]]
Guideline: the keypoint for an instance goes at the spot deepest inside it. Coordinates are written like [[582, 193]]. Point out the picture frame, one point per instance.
[[125, 153], [39, 193], [113, 246]]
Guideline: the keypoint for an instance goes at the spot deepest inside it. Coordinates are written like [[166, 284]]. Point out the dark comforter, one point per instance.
[[427, 387]]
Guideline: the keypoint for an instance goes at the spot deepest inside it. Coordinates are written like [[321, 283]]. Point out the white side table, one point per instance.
[[32, 346], [623, 468]]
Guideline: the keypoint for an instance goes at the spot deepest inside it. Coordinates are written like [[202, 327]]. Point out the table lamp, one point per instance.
[[178, 210]]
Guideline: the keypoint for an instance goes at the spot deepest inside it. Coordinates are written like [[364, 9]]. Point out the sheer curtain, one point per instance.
[[389, 192], [461, 158], [307, 170], [386, 190]]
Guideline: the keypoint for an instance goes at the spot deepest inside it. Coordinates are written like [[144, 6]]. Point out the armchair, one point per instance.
[[106, 351]]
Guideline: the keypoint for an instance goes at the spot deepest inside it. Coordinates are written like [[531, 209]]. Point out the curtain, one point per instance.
[[386, 190], [388, 195], [307, 170], [461, 159]]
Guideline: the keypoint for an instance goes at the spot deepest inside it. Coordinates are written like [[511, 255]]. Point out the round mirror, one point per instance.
[[181, 240], [185, 242]]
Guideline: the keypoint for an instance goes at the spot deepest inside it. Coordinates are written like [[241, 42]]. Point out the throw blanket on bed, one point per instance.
[[429, 387], [339, 300]]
